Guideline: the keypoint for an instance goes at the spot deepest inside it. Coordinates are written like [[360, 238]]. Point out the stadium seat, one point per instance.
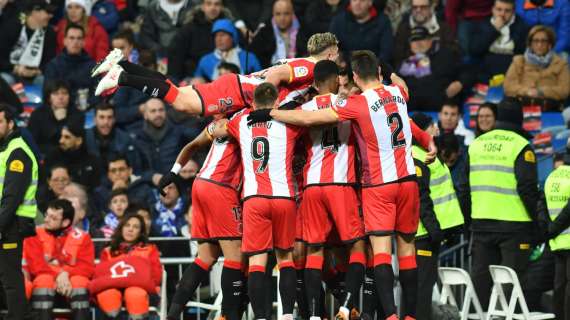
[[458, 277], [504, 275]]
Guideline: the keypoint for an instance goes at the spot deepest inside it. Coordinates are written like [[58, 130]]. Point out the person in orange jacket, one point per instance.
[[59, 259], [129, 240]]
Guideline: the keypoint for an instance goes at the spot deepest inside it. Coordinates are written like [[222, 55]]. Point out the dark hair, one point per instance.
[[118, 192], [447, 143], [364, 64], [231, 67], [136, 206], [558, 156], [104, 106], [114, 157], [450, 103], [511, 2], [324, 71], [57, 166], [71, 25], [65, 205], [9, 112], [147, 58], [117, 237], [265, 95], [52, 86], [125, 34]]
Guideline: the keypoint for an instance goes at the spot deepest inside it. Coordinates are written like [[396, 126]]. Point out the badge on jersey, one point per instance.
[[529, 157], [340, 102], [300, 71], [418, 171], [16, 166]]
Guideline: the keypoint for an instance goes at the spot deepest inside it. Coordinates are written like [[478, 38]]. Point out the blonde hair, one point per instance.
[[319, 42], [540, 28]]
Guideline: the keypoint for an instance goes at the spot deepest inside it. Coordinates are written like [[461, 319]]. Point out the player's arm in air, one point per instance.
[[204, 139]]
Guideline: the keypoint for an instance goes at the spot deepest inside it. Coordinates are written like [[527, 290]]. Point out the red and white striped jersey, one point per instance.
[[300, 80], [223, 163], [267, 151], [330, 149], [383, 132]]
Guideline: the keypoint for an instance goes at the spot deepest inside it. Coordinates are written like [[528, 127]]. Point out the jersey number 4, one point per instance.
[[395, 124], [260, 153]]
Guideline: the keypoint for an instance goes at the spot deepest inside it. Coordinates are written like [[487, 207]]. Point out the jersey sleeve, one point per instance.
[[347, 109], [233, 127], [301, 71], [403, 92]]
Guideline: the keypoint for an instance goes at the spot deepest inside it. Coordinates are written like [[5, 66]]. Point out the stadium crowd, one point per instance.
[[105, 178]]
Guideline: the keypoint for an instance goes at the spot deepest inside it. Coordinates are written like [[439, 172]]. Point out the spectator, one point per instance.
[[452, 154], [422, 15], [46, 121], [161, 21], [159, 140], [281, 38], [498, 39], [72, 152], [395, 10], [486, 118], [227, 49], [250, 16], [128, 10], [105, 139], [60, 260], [20, 60], [120, 176], [105, 11], [552, 13], [319, 14], [169, 211], [74, 65], [129, 244], [84, 213], [450, 121], [540, 76], [96, 39], [194, 39], [116, 207], [362, 27], [432, 72], [136, 207], [58, 178], [463, 15], [186, 232], [8, 10], [124, 40]]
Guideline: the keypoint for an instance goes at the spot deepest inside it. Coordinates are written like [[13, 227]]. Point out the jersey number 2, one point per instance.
[[260, 152], [395, 122]]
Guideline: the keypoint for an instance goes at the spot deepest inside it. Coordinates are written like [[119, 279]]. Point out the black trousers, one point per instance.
[[13, 280], [562, 285], [427, 259], [508, 249], [538, 278]]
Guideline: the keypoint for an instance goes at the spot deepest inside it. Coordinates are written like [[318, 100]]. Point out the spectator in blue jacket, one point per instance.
[[74, 65], [104, 139], [107, 14], [362, 27], [160, 141], [551, 13], [227, 49]]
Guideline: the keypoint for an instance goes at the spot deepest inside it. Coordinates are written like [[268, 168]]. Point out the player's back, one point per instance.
[[223, 163], [382, 131], [267, 151], [330, 149]]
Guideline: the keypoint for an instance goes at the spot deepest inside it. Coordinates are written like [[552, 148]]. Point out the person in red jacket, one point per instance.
[[96, 38], [59, 259], [130, 240]]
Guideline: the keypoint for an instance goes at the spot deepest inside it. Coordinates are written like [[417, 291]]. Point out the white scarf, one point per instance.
[[231, 56], [172, 9], [504, 44], [28, 52], [431, 25]]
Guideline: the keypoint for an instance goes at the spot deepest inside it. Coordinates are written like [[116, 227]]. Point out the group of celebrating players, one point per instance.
[[357, 187]]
